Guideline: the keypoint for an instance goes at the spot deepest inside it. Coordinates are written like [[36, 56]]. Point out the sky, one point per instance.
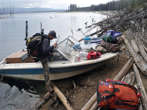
[[56, 4]]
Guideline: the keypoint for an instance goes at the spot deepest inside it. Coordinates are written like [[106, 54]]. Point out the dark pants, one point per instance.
[[46, 71]]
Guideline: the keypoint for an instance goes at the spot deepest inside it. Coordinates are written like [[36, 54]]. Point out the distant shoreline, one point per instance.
[[32, 12], [107, 13], [1, 15]]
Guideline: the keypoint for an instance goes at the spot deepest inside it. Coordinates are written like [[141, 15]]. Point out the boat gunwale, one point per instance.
[[55, 65]]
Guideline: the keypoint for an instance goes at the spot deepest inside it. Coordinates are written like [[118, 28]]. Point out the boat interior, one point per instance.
[[62, 53]]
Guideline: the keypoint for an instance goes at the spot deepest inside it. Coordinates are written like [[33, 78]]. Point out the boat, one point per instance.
[[58, 69], [20, 65]]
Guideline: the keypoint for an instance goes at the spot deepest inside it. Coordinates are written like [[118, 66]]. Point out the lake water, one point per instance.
[[12, 29]]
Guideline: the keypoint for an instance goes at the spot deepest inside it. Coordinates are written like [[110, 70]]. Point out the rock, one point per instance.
[[13, 99]]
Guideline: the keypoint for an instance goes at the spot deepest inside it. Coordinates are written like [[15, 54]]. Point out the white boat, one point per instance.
[[19, 65], [58, 69]]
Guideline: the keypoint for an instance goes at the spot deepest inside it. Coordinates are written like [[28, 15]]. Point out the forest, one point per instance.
[[119, 5], [113, 5]]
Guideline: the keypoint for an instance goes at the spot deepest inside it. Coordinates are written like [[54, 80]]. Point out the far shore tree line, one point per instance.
[[113, 5]]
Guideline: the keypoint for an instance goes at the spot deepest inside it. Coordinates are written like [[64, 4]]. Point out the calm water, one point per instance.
[[12, 29]]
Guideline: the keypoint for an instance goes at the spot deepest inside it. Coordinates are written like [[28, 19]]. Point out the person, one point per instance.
[[45, 53], [38, 47], [46, 50]]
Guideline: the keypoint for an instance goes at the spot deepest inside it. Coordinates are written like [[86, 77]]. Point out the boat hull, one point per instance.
[[54, 76], [32, 71]]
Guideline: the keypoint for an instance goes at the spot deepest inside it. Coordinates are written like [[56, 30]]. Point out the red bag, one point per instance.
[[93, 55], [117, 95]]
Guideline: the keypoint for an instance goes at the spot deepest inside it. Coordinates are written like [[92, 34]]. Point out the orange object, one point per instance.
[[117, 95]]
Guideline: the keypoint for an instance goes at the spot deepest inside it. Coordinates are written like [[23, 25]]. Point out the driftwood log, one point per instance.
[[137, 58], [62, 98], [48, 95], [121, 21], [91, 102], [141, 87]]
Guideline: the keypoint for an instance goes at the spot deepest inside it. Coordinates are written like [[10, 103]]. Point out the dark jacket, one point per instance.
[[46, 49]]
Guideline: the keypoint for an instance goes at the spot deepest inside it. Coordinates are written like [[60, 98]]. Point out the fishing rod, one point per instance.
[[26, 28], [41, 28]]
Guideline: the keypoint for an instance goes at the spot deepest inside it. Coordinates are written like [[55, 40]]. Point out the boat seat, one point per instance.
[[19, 57]]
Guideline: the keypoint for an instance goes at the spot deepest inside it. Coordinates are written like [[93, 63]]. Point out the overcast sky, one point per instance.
[[58, 4]]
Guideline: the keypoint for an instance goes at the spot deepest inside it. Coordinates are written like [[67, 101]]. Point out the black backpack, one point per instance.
[[34, 45]]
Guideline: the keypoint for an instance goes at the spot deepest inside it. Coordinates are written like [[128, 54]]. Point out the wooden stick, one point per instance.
[[141, 87], [62, 98], [122, 72]]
